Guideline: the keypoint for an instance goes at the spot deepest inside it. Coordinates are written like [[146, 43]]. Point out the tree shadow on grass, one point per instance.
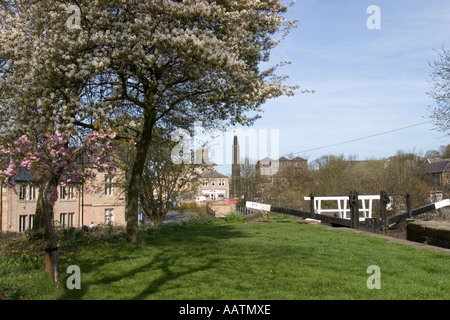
[[169, 275], [162, 261]]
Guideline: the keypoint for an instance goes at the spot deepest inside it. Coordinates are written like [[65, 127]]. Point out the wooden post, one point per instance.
[[408, 205], [354, 209], [311, 206], [384, 200]]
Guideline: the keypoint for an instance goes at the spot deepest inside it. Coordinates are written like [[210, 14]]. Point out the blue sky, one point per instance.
[[366, 81]]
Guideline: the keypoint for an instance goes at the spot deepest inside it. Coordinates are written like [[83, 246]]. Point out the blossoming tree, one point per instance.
[[54, 162], [137, 65]]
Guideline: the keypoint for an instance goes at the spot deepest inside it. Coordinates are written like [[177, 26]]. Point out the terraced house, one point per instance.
[[214, 185], [77, 204], [437, 173]]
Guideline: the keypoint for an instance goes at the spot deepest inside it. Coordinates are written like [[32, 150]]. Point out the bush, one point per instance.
[[186, 207], [234, 217]]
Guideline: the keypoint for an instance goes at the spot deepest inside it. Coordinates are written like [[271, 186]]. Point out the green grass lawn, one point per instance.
[[274, 259]]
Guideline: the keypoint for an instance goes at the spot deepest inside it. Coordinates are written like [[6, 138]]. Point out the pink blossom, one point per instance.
[[54, 158]]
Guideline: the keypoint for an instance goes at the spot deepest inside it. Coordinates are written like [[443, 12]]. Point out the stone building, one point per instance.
[[214, 185], [77, 204]]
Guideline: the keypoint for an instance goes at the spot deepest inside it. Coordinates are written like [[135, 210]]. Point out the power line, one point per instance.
[[362, 138]]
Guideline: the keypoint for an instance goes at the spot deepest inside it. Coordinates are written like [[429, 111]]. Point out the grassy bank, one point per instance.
[[277, 258]]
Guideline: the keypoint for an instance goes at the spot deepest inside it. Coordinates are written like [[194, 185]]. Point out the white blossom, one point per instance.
[[192, 56]]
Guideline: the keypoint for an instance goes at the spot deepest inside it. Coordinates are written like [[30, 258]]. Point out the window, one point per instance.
[[205, 183], [62, 220], [109, 216], [27, 192], [71, 192], [221, 182], [22, 223], [70, 219], [32, 192], [30, 221], [213, 183], [62, 193], [23, 192], [109, 190], [67, 193]]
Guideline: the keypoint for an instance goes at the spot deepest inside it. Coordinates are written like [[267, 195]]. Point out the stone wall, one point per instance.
[[435, 233], [221, 209]]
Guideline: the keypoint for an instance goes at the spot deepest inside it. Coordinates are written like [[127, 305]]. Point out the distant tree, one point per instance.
[[249, 180], [162, 179], [333, 175], [445, 151], [440, 91], [432, 153], [289, 185], [338, 175], [400, 176]]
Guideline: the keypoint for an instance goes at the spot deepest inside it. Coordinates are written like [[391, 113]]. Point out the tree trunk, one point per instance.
[[39, 230], [142, 147], [52, 245], [133, 200]]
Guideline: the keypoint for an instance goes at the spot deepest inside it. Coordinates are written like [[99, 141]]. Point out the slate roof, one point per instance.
[[436, 167], [213, 174], [23, 175]]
